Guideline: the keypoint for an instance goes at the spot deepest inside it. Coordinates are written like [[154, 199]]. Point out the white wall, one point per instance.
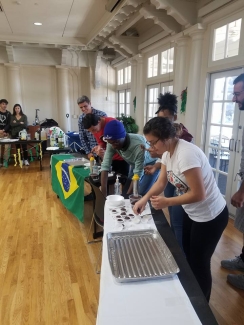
[[38, 85]]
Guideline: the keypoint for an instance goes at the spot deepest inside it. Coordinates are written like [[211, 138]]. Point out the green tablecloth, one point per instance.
[[68, 184]]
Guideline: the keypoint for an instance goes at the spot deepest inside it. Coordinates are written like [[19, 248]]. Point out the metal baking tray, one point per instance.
[[139, 255]]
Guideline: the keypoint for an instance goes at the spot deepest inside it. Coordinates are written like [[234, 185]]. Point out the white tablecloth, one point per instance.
[[155, 302]]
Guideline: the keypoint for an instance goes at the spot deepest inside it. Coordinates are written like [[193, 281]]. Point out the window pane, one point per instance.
[[120, 77], [229, 88], [229, 110], [121, 109], [152, 66], [222, 181], [219, 89], [233, 38], [219, 46], [171, 60], [128, 74], [164, 62], [216, 113], [128, 102], [121, 97], [214, 135]]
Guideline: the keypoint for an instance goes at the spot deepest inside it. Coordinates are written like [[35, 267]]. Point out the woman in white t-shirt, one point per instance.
[[206, 214]]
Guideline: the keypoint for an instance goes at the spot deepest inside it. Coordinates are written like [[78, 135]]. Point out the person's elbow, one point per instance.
[[198, 195]]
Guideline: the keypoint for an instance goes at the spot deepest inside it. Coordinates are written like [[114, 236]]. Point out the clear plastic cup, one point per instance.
[[133, 199]]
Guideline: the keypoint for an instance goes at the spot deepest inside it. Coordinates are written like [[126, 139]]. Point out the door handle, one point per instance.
[[231, 143], [237, 146]]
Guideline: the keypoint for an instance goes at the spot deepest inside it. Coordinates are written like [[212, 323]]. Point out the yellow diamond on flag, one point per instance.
[[66, 179]]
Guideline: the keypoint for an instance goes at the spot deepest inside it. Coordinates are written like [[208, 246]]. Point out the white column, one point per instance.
[[140, 94], [63, 98], [193, 89], [180, 70], [133, 86], [13, 85]]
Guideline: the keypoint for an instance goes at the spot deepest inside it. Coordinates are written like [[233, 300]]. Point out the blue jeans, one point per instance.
[[176, 214], [145, 182]]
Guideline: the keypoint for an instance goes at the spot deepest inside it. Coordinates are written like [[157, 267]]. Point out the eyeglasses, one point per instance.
[[152, 143], [237, 94]]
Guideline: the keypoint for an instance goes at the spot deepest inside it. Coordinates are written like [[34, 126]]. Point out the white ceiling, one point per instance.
[[85, 24]]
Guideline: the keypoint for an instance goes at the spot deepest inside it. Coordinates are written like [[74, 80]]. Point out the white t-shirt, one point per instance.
[[187, 156]]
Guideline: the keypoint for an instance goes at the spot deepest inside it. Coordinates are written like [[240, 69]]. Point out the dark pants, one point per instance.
[[23, 150], [176, 214], [120, 167], [242, 254], [199, 242]]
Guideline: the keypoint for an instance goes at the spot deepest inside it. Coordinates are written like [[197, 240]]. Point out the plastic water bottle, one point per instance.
[[117, 186], [92, 161], [135, 180], [61, 140]]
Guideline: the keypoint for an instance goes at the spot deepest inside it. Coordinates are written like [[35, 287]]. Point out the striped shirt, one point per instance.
[[86, 138]]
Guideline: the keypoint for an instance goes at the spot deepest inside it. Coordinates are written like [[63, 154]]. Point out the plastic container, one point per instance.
[[135, 180], [61, 140], [117, 187], [92, 162]]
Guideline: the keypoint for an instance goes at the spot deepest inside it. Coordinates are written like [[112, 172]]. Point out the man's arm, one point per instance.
[[105, 167], [237, 199], [7, 126], [83, 138]]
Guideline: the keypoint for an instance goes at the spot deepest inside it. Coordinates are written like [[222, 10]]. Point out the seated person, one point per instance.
[[128, 146], [96, 124]]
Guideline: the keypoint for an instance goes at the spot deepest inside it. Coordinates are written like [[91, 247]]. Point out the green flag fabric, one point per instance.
[[68, 184]]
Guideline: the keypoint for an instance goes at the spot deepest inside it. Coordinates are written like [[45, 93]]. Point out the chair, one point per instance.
[[98, 211]]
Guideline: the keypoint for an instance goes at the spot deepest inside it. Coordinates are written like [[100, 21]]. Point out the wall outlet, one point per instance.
[[75, 116]]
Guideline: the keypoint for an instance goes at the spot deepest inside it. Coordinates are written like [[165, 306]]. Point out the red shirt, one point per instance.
[[99, 137]]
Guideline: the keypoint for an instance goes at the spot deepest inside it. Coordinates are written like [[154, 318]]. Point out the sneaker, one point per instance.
[[26, 163], [234, 264], [237, 280]]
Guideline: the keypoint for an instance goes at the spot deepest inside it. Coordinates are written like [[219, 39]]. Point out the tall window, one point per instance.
[[120, 77], [124, 102], [128, 74], [226, 40], [152, 70], [167, 61], [124, 76], [152, 97]]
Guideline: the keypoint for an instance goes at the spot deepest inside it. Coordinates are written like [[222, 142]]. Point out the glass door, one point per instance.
[[224, 133]]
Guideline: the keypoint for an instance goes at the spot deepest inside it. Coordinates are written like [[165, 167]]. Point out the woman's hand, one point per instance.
[[150, 169], [21, 122], [159, 202], [14, 121], [139, 207]]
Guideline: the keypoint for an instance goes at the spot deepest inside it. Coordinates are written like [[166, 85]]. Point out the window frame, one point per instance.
[[221, 23], [159, 86], [126, 103]]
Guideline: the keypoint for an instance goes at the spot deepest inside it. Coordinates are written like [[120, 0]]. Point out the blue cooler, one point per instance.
[[74, 141]]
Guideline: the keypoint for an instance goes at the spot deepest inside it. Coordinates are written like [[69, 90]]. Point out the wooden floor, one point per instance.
[[47, 271]]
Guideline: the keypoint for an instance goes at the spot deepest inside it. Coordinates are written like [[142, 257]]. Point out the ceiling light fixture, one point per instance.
[[38, 24]]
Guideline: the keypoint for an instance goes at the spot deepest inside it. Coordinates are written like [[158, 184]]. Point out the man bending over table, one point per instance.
[[128, 146]]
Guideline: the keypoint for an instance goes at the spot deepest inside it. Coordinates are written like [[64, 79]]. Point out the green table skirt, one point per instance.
[[68, 184]]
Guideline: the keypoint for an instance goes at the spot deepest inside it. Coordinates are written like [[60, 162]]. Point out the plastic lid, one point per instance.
[[92, 158], [135, 177]]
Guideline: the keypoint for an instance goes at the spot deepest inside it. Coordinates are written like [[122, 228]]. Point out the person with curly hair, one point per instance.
[[168, 108], [206, 215]]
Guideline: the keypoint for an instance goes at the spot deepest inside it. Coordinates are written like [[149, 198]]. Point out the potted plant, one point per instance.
[[129, 123]]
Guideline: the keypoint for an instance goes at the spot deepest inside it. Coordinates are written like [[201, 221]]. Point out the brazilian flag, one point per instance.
[[68, 184]]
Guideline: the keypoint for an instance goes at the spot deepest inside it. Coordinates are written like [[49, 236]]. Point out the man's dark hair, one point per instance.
[[167, 101], [238, 79], [160, 127], [90, 120], [4, 101], [83, 99]]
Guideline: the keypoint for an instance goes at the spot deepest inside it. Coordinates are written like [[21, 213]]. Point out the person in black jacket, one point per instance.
[[5, 117]]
